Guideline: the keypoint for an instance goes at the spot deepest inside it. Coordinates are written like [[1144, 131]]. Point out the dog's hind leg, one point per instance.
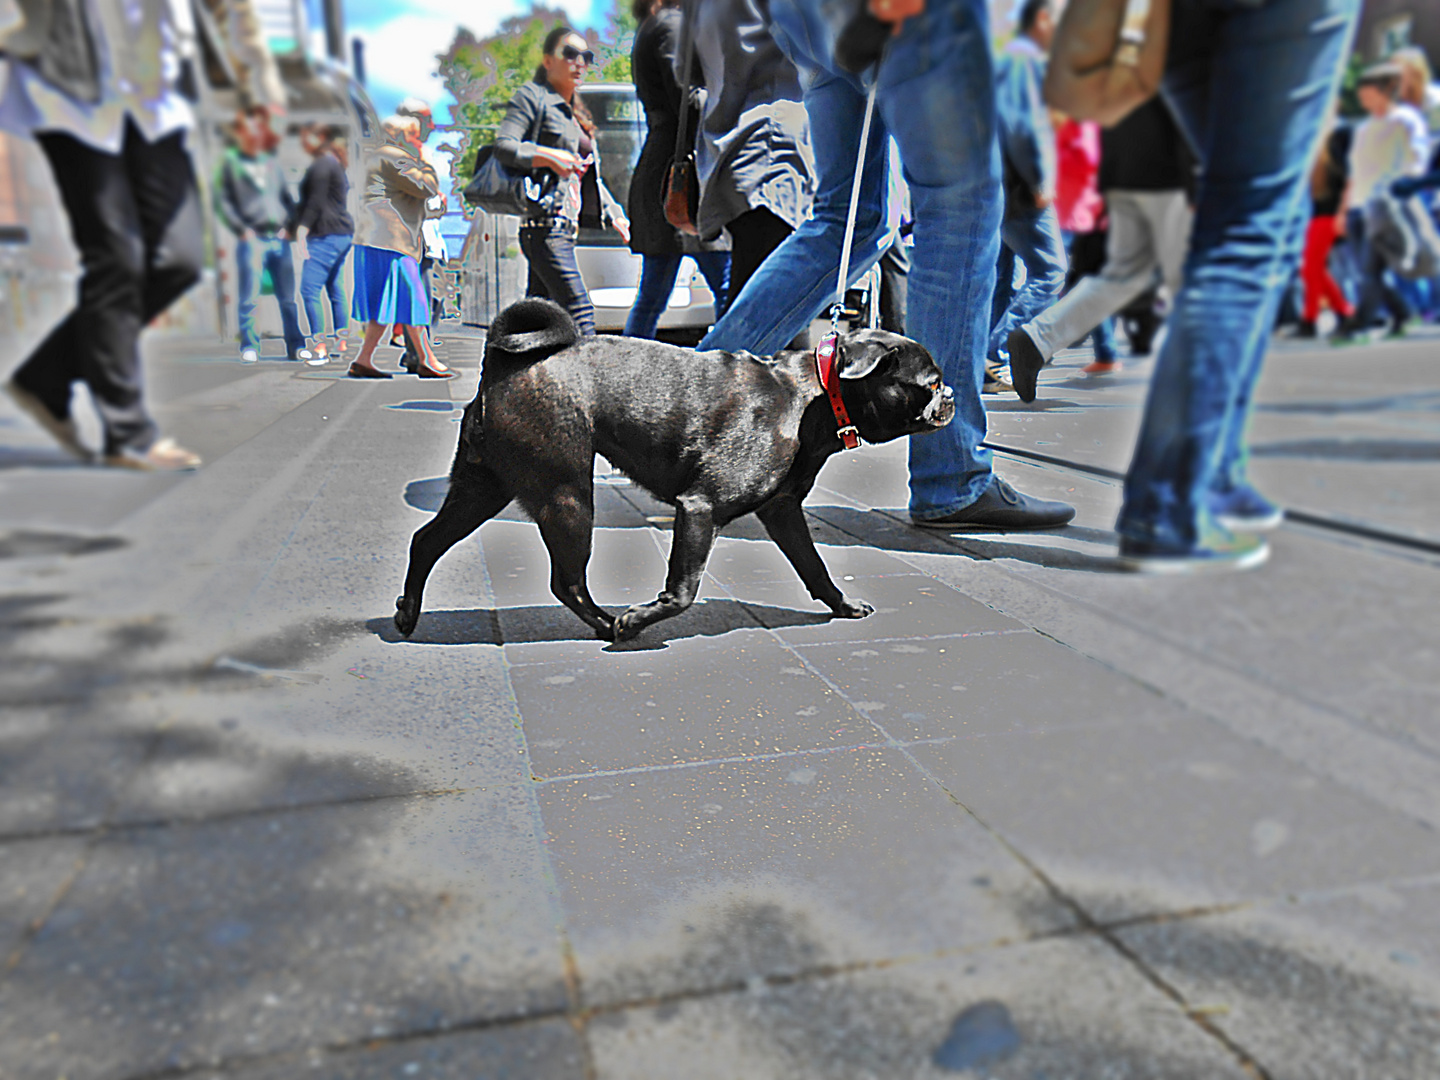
[[689, 552], [566, 521], [785, 522], [471, 501]]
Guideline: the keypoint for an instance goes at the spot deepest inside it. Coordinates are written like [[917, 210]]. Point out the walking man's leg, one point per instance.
[[135, 218], [796, 283], [1267, 75]]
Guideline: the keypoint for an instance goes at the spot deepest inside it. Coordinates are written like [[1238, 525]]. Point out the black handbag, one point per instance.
[[500, 190]]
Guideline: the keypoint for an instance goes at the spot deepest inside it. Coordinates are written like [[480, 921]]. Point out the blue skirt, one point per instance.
[[388, 288]]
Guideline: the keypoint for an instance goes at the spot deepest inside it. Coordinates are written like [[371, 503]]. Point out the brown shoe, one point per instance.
[[61, 429], [164, 455]]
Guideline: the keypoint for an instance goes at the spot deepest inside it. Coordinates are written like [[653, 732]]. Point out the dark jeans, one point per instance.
[[135, 216], [1031, 237], [753, 236], [550, 250], [1375, 287], [252, 258], [894, 287], [657, 282]]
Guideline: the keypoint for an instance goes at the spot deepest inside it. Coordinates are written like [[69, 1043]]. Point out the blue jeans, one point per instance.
[[1249, 87], [657, 282], [324, 263], [272, 254], [1031, 237], [936, 98]]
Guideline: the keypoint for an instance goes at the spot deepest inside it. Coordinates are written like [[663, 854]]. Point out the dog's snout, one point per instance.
[[941, 409]]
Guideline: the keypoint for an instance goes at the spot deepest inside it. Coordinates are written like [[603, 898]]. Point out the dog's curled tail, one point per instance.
[[530, 330]]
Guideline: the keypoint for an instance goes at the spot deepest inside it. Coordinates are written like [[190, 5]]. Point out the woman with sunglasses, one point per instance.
[[563, 145]]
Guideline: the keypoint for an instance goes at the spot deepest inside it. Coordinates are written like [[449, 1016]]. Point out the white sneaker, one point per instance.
[[249, 356]]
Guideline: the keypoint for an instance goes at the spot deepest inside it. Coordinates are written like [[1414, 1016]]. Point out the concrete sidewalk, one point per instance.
[[1033, 818]]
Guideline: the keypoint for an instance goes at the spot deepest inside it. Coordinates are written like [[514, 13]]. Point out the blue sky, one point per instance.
[[403, 36]]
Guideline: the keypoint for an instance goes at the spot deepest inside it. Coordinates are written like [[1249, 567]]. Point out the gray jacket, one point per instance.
[[55, 37], [753, 148]]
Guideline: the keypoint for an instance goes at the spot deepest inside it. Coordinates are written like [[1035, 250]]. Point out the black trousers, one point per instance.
[[550, 250], [894, 287], [135, 216], [753, 236]]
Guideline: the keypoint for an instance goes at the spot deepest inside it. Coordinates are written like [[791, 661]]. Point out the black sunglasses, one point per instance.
[[570, 52]]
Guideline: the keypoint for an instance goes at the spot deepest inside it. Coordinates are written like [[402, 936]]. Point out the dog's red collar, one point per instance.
[[825, 364]]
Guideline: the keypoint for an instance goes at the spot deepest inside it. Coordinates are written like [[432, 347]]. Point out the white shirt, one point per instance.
[[1385, 149], [138, 45]]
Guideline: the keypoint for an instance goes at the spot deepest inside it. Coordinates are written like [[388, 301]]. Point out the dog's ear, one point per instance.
[[862, 351]]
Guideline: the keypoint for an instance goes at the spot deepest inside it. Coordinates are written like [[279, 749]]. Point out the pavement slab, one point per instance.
[[529, 1050], [1033, 817], [1167, 812], [745, 696], [184, 946], [682, 880], [1298, 995], [1062, 1008]]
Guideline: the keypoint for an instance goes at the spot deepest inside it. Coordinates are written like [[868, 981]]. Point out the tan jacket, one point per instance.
[[392, 201]]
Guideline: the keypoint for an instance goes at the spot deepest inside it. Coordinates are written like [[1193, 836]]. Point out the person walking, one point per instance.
[[1080, 209], [431, 242], [1030, 232], [753, 154], [937, 70], [387, 250], [1327, 225], [324, 232], [255, 204], [103, 94], [565, 146], [659, 244], [1388, 146], [1250, 86], [1146, 173]]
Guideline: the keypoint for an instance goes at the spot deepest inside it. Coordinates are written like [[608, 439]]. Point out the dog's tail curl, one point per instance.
[[530, 330]]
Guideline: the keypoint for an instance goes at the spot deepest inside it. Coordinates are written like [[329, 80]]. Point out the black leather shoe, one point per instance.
[[1001, 507], [1025, 363]]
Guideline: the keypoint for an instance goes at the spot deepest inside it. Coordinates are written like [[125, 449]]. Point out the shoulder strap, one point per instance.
[[687, 43]]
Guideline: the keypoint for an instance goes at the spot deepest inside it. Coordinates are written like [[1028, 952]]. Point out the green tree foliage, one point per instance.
[[482, 74]]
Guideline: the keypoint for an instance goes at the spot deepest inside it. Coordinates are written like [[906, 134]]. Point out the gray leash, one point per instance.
[[841, 282]]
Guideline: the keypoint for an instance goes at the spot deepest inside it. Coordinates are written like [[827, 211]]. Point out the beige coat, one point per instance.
[[392, 201]]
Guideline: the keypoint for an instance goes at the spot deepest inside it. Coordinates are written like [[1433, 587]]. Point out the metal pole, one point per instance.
[[335, 30]]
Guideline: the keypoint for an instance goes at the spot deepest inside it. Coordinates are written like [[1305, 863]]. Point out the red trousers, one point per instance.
[[1315, 271]]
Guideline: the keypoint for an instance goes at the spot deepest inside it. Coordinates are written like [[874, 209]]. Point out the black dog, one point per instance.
[[715, 434]]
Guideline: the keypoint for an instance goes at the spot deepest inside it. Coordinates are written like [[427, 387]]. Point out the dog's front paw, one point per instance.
[[852, 609], [627, 625], [407, 614]]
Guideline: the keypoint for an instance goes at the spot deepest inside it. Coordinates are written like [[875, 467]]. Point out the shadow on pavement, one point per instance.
[[1416, 402], [544, 623], [27, 543], [1352, 449], [880, 529]]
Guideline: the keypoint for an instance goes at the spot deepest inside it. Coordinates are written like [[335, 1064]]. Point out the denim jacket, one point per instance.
[[1027, 141]]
